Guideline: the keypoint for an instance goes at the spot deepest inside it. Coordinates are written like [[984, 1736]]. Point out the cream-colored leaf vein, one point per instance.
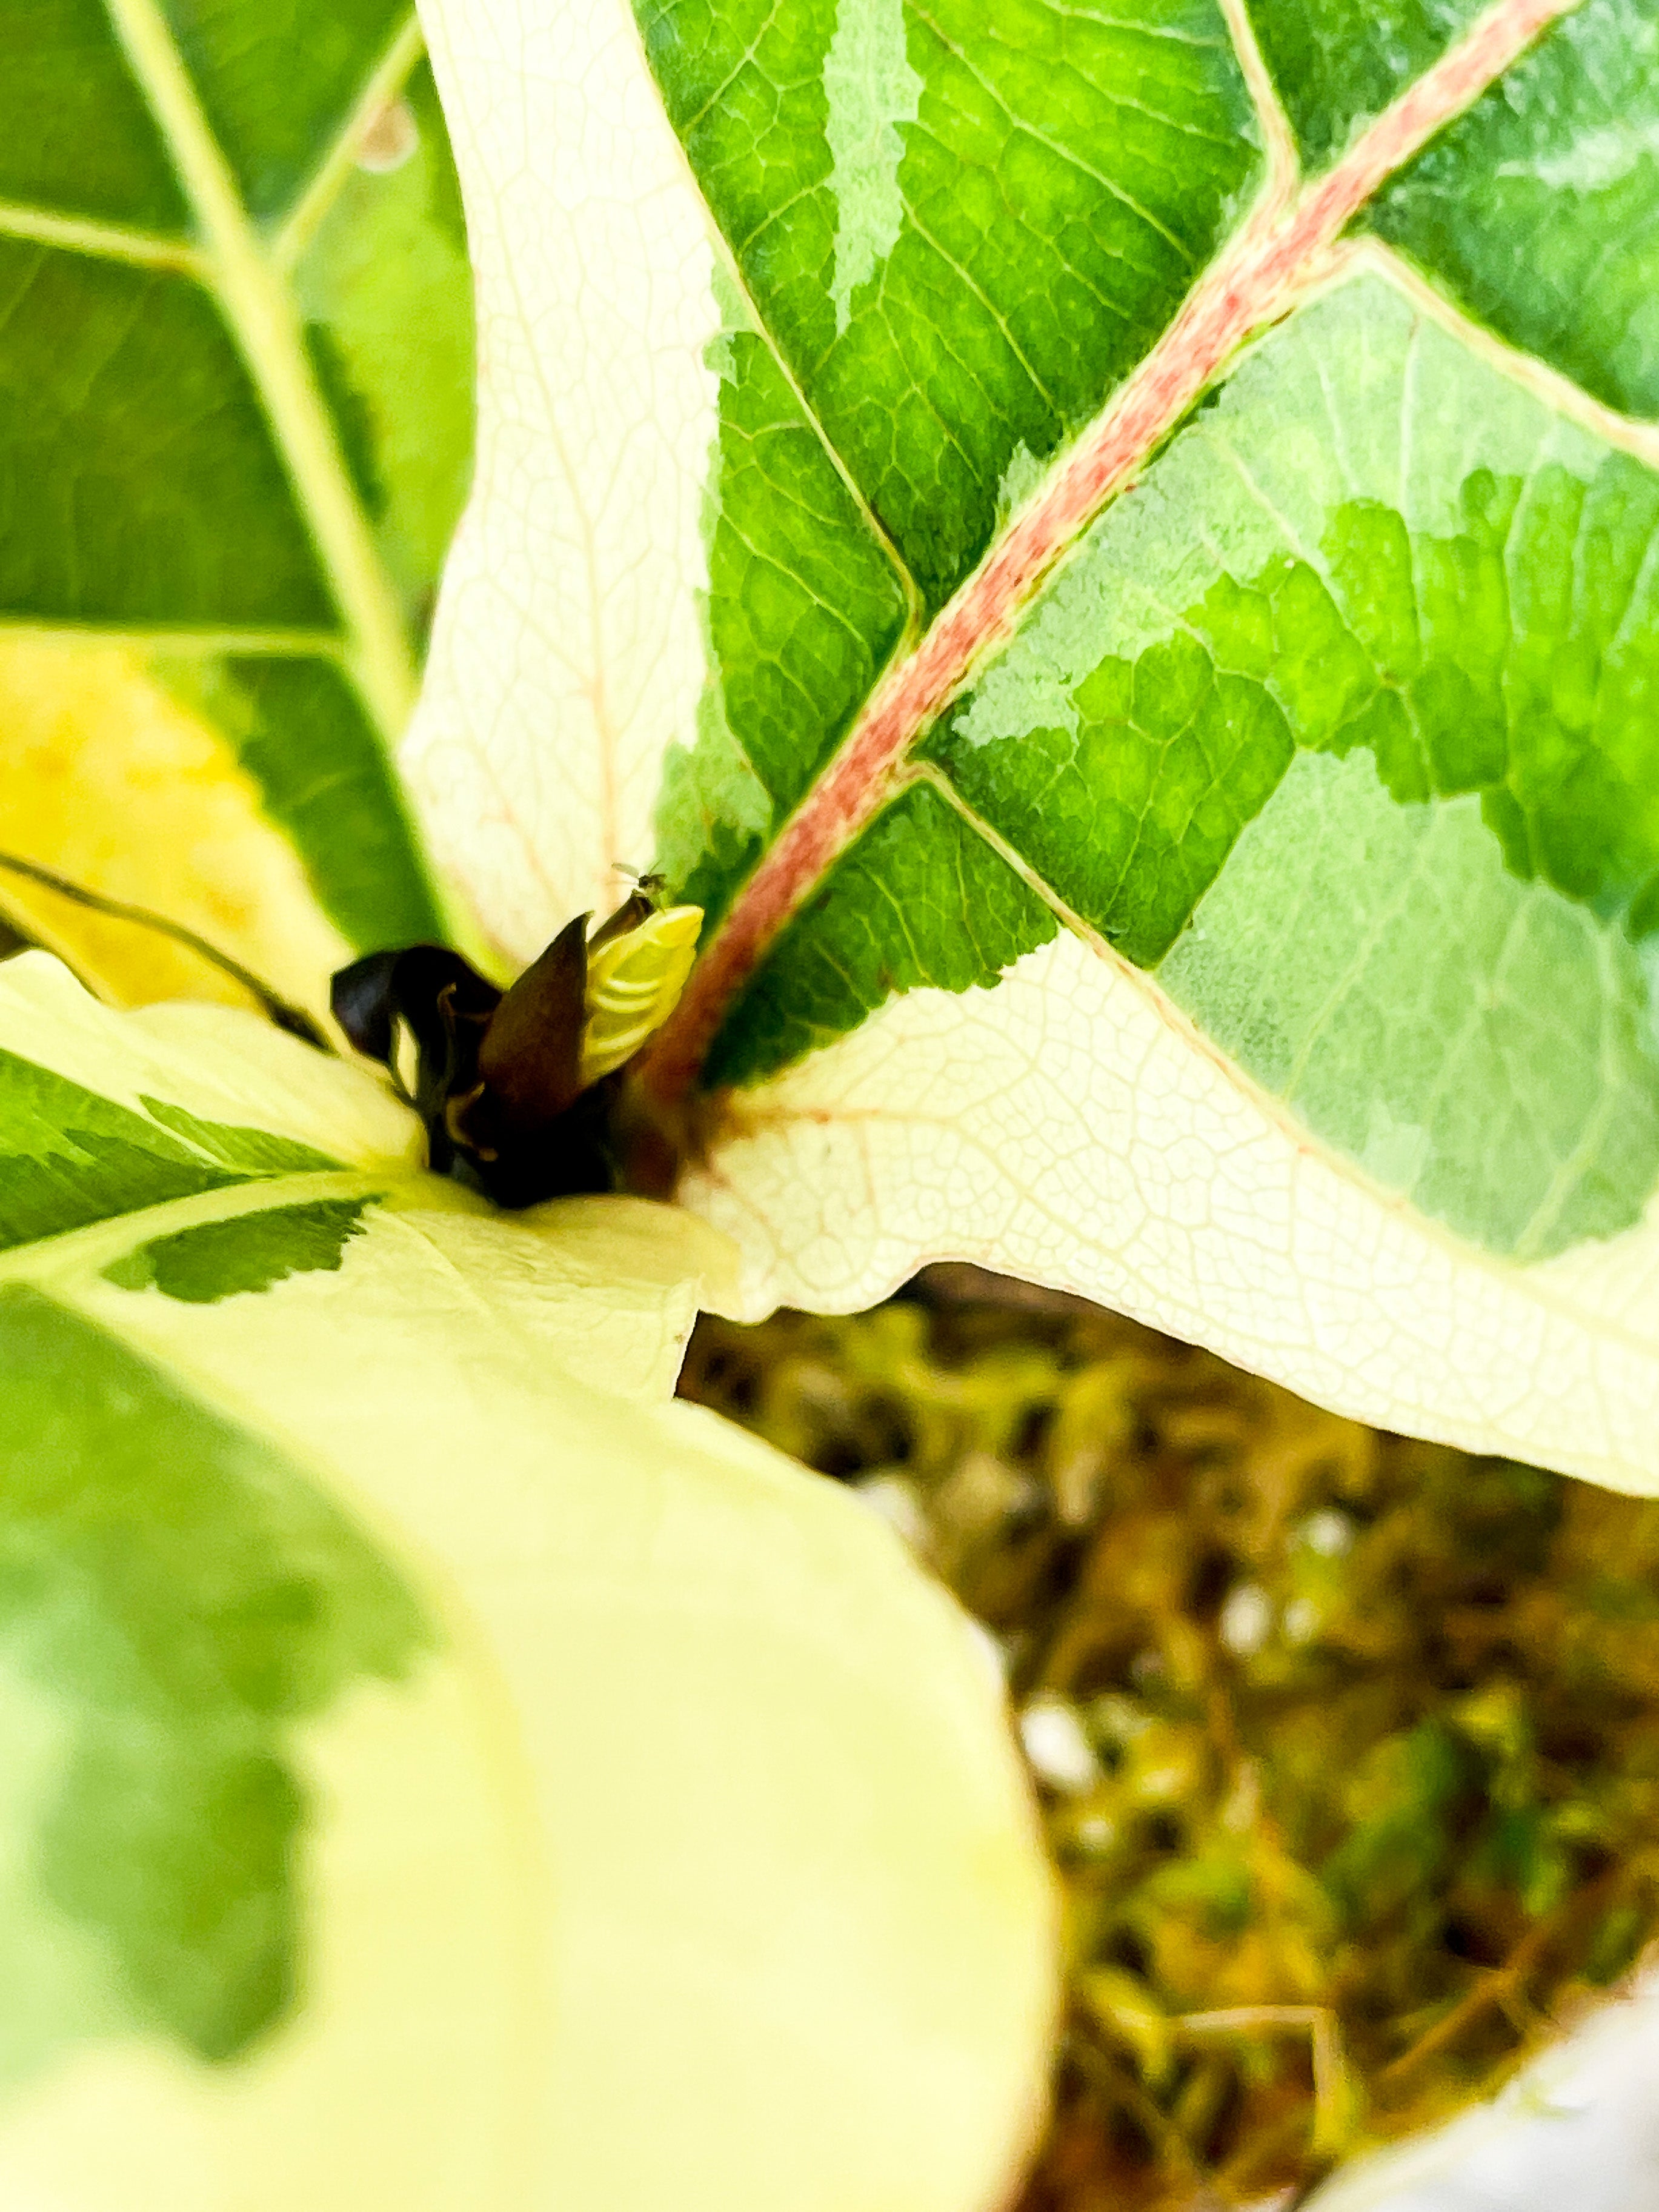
[[383, 84], [264, 323], [1558, 392], [107, 241], [187, 642]]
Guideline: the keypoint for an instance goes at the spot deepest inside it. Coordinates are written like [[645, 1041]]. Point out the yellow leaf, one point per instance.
[[113, 783]]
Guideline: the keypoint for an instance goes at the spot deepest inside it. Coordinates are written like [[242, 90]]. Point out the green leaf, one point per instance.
[[1452, 606], [72, 1158], [1336, 64], [235, 410], [920, 901], [1036, 188], [80, 140], [403, 1697], [177, 1596], [1562, 162], [1115, 554], [219, 1258]]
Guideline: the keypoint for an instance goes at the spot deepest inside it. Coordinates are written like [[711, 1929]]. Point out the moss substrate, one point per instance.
[[1347, 1744]]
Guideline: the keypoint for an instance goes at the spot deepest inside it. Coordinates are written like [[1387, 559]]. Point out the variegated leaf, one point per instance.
[[1116, 553]]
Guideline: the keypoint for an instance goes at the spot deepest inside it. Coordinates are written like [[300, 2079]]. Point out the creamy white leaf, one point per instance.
[[568, 625], [689, 1863]]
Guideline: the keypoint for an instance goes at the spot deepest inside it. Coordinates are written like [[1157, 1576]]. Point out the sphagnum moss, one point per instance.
[[1347, 1743]]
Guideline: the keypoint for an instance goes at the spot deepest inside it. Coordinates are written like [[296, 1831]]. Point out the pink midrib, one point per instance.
[[1256, 279]]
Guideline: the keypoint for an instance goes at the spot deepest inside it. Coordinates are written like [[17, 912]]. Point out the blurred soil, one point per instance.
[[1348, 1746]]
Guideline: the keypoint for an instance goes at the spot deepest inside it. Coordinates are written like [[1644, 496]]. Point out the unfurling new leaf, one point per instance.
[[517, 1088]]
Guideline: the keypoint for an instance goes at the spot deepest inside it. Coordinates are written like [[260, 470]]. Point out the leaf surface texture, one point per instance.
[[1114, 552]]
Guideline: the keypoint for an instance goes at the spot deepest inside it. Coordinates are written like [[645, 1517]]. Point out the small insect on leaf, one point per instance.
[[634, 983]]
